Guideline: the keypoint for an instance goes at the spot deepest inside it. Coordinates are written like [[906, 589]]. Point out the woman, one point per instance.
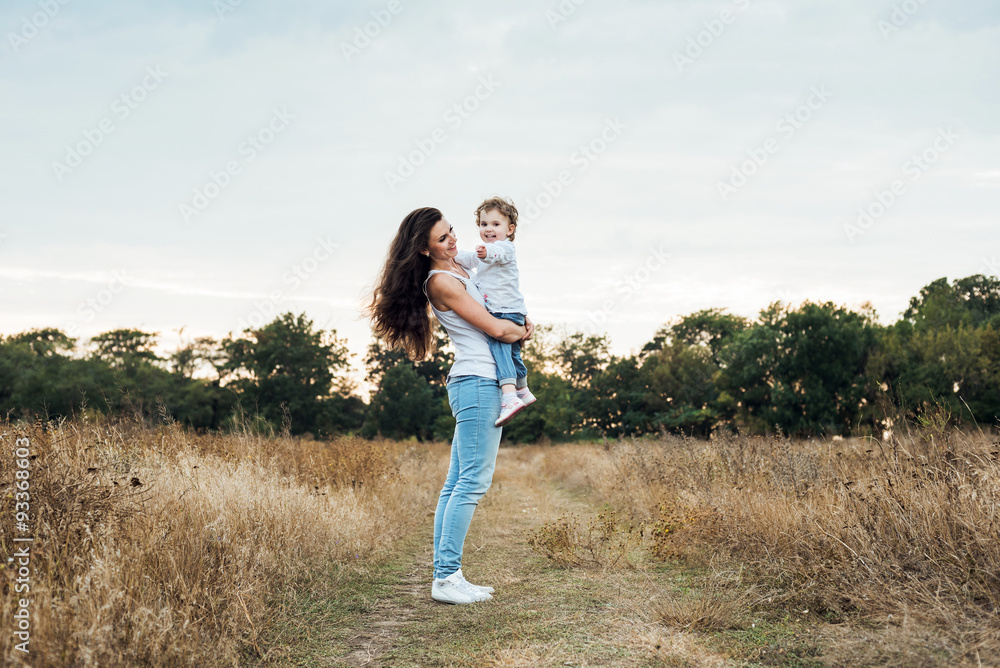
[[420, 269]]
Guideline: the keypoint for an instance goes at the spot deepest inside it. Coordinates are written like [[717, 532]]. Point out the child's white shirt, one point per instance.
[[496, 276]]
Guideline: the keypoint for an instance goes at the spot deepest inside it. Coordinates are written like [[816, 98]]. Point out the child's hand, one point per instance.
[[481, 251]]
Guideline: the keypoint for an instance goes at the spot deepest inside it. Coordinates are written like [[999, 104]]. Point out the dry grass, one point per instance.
[[158, 546], [595, 614], [721, 602], [905, 529], [605, 542]]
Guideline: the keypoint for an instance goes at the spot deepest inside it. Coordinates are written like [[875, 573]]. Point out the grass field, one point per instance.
[[156, 546]]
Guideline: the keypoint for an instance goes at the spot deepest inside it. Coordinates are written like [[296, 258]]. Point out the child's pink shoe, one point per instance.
[[526, 396], [509, 410]]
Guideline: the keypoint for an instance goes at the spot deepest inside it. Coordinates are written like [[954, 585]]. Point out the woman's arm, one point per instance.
[[451, 293]]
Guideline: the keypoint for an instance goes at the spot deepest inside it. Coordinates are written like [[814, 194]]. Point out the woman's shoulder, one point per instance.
[[440, 277], [443, 283]]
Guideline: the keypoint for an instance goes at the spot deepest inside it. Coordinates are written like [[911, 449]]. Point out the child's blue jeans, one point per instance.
[[510, 366]]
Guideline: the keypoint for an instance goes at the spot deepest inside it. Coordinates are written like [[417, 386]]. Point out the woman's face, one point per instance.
[[442, 244]]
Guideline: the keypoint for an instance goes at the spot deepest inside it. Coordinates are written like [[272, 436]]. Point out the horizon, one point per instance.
[[357, 371]]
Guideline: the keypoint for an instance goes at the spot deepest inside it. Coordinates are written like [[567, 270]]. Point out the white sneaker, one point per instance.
[[526, 397], [508, 411], [454, 589], [484, 590]]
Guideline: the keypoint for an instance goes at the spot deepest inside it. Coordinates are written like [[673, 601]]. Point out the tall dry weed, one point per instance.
[[604, 542], [157, 546], [906, 526]]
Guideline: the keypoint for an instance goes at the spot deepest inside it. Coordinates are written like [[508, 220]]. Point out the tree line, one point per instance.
[[814, 369]]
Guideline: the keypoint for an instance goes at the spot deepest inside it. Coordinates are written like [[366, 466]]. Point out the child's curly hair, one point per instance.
[[505, 207]]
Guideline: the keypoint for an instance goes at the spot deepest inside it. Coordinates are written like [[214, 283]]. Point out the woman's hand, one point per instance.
[[530, 326]]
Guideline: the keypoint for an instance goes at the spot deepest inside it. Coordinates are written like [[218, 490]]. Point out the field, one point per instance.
[[156, 546]]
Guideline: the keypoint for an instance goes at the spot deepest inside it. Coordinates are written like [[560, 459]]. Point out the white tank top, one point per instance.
[[472, 348]]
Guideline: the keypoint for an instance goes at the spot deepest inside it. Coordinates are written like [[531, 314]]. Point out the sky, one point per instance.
[[195, 168]]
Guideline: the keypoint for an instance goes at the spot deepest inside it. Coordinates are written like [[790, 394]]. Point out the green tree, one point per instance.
[[204, 402], [684, 395], [711, 328], [972, 301], [426, 383], [128, 374], [943, 352], [581, 357], [31, 368], [402, 407], [203, 352], [124, 348], [119, 375], [684, 371], [47, 342], [619, 399], [286, 371], [803, 370]]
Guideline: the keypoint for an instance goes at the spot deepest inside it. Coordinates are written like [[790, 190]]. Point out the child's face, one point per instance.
[[493, 226]]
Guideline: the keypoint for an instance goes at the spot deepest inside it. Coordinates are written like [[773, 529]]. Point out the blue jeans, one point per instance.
[[475, 403], [510, 366]]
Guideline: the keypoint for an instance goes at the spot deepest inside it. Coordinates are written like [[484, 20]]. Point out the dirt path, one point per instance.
[[390, 616], [540, 616], [545, 615]]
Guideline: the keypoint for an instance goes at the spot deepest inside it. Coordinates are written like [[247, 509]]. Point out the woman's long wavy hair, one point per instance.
[[399, 309]]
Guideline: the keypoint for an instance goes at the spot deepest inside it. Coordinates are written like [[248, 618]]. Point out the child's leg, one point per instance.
[[520, 371], [520, 374], [517, 371], [510, 402], [506, 374]]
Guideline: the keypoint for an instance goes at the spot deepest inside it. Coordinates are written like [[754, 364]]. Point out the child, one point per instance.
[[495, 261]]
